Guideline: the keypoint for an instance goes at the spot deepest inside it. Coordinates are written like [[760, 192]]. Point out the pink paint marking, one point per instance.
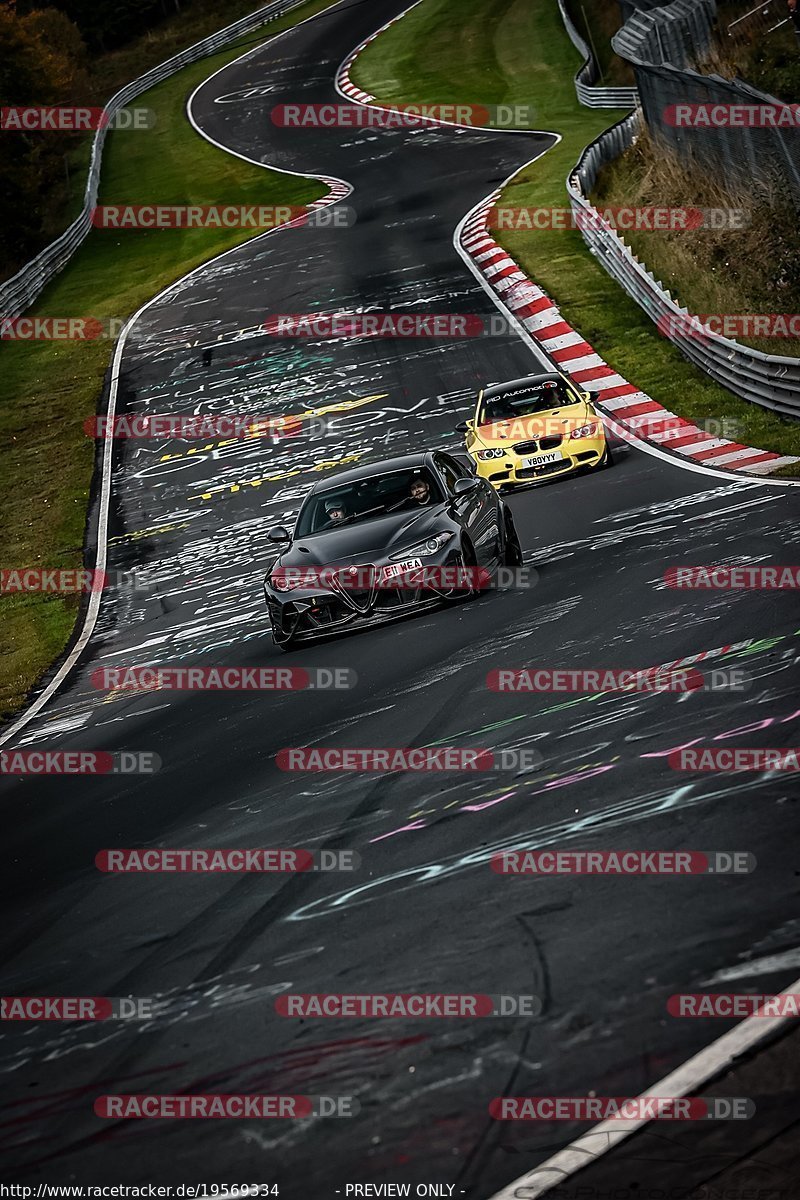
[[486, 804], [402, 829], [554, 783]]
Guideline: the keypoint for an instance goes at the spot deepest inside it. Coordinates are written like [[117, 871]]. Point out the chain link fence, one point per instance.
[[691, 112], [589, 95], [19, 292]]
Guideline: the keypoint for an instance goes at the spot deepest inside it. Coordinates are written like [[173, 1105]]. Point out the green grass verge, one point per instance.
[[107, 73], [50, 388], [517, 51]]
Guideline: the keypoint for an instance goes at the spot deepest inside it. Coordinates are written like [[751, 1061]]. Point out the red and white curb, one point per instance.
[[344, 83], [338, 190], [624, 407]]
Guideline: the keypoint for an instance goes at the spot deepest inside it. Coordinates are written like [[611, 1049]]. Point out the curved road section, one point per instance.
[[213, 958]]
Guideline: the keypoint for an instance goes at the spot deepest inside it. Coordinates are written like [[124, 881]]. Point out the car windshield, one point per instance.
[[365, 499], [525, 400]]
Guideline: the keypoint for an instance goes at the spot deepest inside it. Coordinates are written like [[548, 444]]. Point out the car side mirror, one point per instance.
[[279, 534], [464, 426], [463, 487]]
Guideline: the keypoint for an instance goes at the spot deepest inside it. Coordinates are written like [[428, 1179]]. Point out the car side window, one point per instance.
[[449, 469], [461, 469]]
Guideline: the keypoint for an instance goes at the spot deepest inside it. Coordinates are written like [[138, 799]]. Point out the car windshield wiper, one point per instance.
[[398, 503]]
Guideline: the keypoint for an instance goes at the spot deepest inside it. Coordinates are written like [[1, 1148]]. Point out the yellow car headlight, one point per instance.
[[585, 431]]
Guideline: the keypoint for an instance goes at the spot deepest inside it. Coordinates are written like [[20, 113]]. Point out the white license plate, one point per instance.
[[542, 459], [395, 569]]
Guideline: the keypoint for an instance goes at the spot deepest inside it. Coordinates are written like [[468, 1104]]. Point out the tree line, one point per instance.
[[46, 57]]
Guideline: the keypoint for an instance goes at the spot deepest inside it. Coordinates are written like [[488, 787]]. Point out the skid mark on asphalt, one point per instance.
[[666, 530], [195, 1002], [350, 1061]]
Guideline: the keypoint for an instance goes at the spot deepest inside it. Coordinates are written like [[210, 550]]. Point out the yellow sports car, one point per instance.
[[532, 429]]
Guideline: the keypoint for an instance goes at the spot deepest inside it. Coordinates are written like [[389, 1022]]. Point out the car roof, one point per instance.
[[406, 461], [497, 389]]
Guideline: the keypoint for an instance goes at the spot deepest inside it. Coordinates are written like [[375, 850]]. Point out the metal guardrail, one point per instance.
[[675, 33], [588, 94], [769, 380], [23, 288], [660, 44]]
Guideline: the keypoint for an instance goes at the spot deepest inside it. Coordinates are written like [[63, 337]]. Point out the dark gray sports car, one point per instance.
[[375, 543]]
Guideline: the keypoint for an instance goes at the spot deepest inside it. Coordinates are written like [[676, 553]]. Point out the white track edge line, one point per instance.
[[708, 1063], [648, 448], [719, 1054], [626, 434], [93, 608]]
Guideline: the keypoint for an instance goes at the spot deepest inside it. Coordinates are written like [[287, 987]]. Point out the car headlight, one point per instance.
[[286, 579], [431, 545], [585, 431], [485, 455]]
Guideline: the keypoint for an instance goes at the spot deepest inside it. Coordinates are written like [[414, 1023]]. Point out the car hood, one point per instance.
[[365, 541], [541, 424]]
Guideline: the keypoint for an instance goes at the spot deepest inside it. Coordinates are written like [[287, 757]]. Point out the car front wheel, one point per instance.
[[512, 551], [467, 562]]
